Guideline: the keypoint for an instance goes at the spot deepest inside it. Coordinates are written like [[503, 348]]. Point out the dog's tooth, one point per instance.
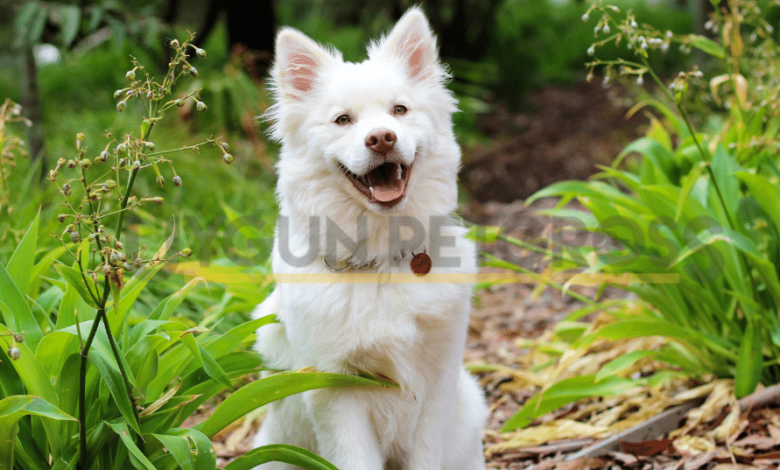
[[398, 171], [371, 190]]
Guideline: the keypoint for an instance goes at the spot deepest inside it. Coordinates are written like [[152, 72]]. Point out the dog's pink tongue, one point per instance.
[[389, 192]]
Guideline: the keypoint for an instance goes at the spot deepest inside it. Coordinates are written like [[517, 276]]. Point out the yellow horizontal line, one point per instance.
[[583, 279]]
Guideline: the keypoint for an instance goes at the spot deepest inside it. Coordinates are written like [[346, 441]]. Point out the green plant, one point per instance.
[[539, 42], [696, 217], [87, 378]]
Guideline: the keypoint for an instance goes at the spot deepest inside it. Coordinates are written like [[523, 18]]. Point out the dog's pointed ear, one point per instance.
[[299, 60], [412, 41]]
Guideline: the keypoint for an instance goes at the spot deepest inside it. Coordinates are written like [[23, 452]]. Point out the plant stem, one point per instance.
[[84, 457], [118, 357]]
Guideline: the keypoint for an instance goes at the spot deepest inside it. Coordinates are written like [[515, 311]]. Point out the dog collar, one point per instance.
[[421, 264]]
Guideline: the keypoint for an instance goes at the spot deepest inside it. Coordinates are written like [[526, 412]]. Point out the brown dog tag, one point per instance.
[[421, 264]]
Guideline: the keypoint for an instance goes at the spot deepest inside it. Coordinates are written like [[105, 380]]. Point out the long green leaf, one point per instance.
[[750, 362], [12, 409], [116, 386], [707, 45], [565, 392], [280, 453], [20, 265], [264, 391], [140, 461], [17, 313]]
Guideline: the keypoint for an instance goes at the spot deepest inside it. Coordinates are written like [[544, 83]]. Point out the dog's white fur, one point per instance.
[[411, 333]]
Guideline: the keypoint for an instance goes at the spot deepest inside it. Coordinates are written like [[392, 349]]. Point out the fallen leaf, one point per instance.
[[645, 448], [693, 445], [583, 463]]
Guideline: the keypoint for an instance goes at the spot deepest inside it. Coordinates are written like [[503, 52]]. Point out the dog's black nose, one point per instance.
[[381, 140]]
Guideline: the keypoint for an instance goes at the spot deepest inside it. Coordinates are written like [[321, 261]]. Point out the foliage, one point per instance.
[[694, 222], [542, 41], [91, 376]]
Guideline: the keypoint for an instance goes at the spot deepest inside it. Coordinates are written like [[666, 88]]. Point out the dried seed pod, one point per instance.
[[61, 217], [193, 71], [18, 338], [200, 53], [160, 180], [66, 189], [177, 180], [14, 353], [103, 156], [228, 158], [186, 252], [201, 106], [74, 237], [121, 105], [174, 44], [130, 75]]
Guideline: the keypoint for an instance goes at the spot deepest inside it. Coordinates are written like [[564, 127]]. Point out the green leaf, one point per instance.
[[36, 27], [73, 276], [622, 363], [14, 408], [655, 152], [16, 312], [140, 462], [688, 183], [565, 392], [165, 309], [724, 167], [638, 328], [116, 385], [71, 23], [264, 391], [766, 193], [707, 45], [24, 16], [20, 265], [207, 361], [749, 364], [233, 338], [280, 453], [674, 119], [484, 233]]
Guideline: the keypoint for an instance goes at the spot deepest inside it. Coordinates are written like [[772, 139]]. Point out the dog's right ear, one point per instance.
[[299, 61]]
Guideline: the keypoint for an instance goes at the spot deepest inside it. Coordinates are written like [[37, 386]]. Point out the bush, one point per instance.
[[544, 42], [89, 377], [695, 219]]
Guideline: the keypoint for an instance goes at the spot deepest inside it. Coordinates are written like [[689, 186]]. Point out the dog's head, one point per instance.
[[377, 132]]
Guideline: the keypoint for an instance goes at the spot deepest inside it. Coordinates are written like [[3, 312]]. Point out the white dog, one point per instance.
[[369, 163]]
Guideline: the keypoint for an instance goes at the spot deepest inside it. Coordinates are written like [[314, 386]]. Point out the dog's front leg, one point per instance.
[[345, 434]]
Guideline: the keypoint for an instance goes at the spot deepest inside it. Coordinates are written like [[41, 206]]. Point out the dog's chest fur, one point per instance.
[[392, 329]]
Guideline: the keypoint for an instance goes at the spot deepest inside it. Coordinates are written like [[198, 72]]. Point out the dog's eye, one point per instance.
[[400, 110], [343, 119]]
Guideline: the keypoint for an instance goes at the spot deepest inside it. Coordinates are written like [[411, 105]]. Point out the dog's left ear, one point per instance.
[[412, 41]]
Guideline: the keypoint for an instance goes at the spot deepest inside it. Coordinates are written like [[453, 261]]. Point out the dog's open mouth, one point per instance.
[[384, 185]]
